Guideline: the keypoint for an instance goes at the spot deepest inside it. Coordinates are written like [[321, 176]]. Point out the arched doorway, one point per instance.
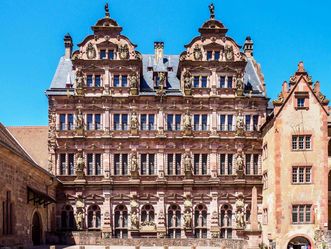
[[36, 229], [299, 243]]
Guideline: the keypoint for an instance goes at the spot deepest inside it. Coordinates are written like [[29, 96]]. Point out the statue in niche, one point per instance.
[[79, 218], [79, 121], [134, 164], [79, 79], [187, 121], [197, 53], [187, 220], [91, 52], [187, 163], [187, 80], [240, 124], [239, 162], [134, 121], [124, 51], [80, 165], [240, 215], [228, 52], [133, 80], [239, 86]]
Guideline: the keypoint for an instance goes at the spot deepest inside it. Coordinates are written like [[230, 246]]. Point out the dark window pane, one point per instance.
[[111, 54], [116, 164], [216, 55], [222, 122], [70, 121], [98, 164], [124, 80], [230, 159], [170, 164], [90, 164], [97, 80], [143, 162], [89, 80], [151, 122], [209, 55], [89, 121], [178, 164], [71, 164], [97, 121], [102, 54], [62, 164], [116, 80], [230, 122], [196, 122], [230, 79], [222, 166], [248, 122], [178, 120], [222, 82], [124, 164], [151, 167], [170, 118], [62, 122], [196, 163], [143, 122], [196, 81], [204, 164], [124, 121], [204, 118], [204, 81], [117, 122], [255, 122]]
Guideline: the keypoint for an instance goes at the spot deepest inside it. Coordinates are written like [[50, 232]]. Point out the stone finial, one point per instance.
[[284, 88], [317, 87], [158, 51], [107, 10], [248, 47], [212, 11], [67, 46], [301, 68]]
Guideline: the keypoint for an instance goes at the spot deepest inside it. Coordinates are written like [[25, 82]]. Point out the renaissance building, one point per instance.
[[185, 146]]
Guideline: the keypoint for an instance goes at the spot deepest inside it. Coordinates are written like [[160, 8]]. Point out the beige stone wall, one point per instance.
[[16, 174]]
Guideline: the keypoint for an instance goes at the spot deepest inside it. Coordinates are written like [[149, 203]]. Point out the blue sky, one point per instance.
[[31, 39]]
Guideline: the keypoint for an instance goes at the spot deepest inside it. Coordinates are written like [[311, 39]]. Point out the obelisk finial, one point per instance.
[[212, 11], [107, 10]]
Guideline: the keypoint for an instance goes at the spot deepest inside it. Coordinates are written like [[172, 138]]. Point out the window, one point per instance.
[[94, 217], [174, 221], [97, 80], [120, 164], [301, 174], [301, 214], [93, 80], [124, 80], [174, 164], [222, 81], [71, 164], [66, 164], [102, 54], [121, 221], [230, 79], [67, 218], [226, 221], [93, 164], [147, 164], [252, 164], [300, 102], [230, 123], [89, 121], [265, 151], [265, 180], [248, 164], [89, 80], [93, 121], [200, 122], [217, 55], [200, 164], [147, 214], [255, 122], [7, 215], [265, 216], [116, 80], [200, 221], [302, 142], [248, 122], [200, 81], [209, 55], [147, 122], [120, 80], [222, 122], [173, 122], [226, 122], [120, 122], [97, 122], [111, 54], [66, 122]]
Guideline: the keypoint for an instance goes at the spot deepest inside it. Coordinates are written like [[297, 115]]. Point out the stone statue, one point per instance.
[[79, 121], [280, 99], [212, 11], [187, 220], [80, 165], [162, 79], [79, 217], [134, 121], [197, 53], [187, 163], [240, 125], [107, 10], [134, 204], [240, 216], [240, 86], [187, 121], [187, 80], [134, 219], [79, 79], [133, 80], [226, 220], [134, 163], [91, 52], [124, 51], [239, 162], [228, 52], [187, 203]]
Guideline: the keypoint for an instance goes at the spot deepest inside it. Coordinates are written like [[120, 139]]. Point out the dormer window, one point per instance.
[[300, 102], [102, 54], [111, 54], [209, 55]]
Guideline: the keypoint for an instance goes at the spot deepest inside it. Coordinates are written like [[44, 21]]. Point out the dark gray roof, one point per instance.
[[169, 64]]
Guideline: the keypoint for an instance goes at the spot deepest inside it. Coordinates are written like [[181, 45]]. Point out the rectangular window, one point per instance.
[[170, 118], [222, 164], [209, 55], [90, 164], [196, 120], [70, 121], [302, 142], [174, 164], [124, 80], [196, 160], [97, 123], [124, 122], [120, 164], [89, 121], [71, 164], [178, 163], [63, 122], [97, 164], [147, 164], [63, 165], [255, 164], [111, 54], [204, 168], [117, 164], [222, 81], [97, 80], [204, 81], [7, 214], [170, 164], [102, 54], [230, 163], [248, 122], [301, 175], [124, 164], [117, 124], [248, 164], [217, 55], [196, 80], [204, 122], [230, 122], [255, 122], [177, 122], [230, 79], [151, 121], [151, 164], [222, 123], [89, 80], [143, 122], [265, 180], [301, 214], [116, 80], [200, 164], [300, 102]]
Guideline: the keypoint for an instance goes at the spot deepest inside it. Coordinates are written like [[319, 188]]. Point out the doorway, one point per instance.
[[36, 229], [299, 243]]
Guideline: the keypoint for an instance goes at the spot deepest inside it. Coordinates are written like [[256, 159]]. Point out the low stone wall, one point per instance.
[[94, 238]]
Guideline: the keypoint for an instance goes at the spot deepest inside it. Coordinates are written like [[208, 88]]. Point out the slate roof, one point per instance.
[[168, 64]]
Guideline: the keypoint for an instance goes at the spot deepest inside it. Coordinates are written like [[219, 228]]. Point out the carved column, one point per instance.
[[160, 122], [160, 163], [160, 221], [213, 163], [254, 221]]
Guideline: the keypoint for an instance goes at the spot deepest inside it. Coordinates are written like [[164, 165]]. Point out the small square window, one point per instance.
[[301, 102]]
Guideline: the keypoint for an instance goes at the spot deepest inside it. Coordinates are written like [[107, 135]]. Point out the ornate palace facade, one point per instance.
[[156, 145]]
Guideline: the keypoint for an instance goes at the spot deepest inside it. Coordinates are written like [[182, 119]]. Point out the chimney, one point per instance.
[[158, 51], [67, 46], [248, 47]]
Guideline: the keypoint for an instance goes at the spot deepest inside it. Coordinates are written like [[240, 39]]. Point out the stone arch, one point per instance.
[[200, 220], [298, 240], [147, 214], [94, 217], [37, 228], [174, 220], [225, 220]]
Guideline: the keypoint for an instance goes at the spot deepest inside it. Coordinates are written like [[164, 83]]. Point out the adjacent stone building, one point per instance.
[[177, 146], [27, 194]]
